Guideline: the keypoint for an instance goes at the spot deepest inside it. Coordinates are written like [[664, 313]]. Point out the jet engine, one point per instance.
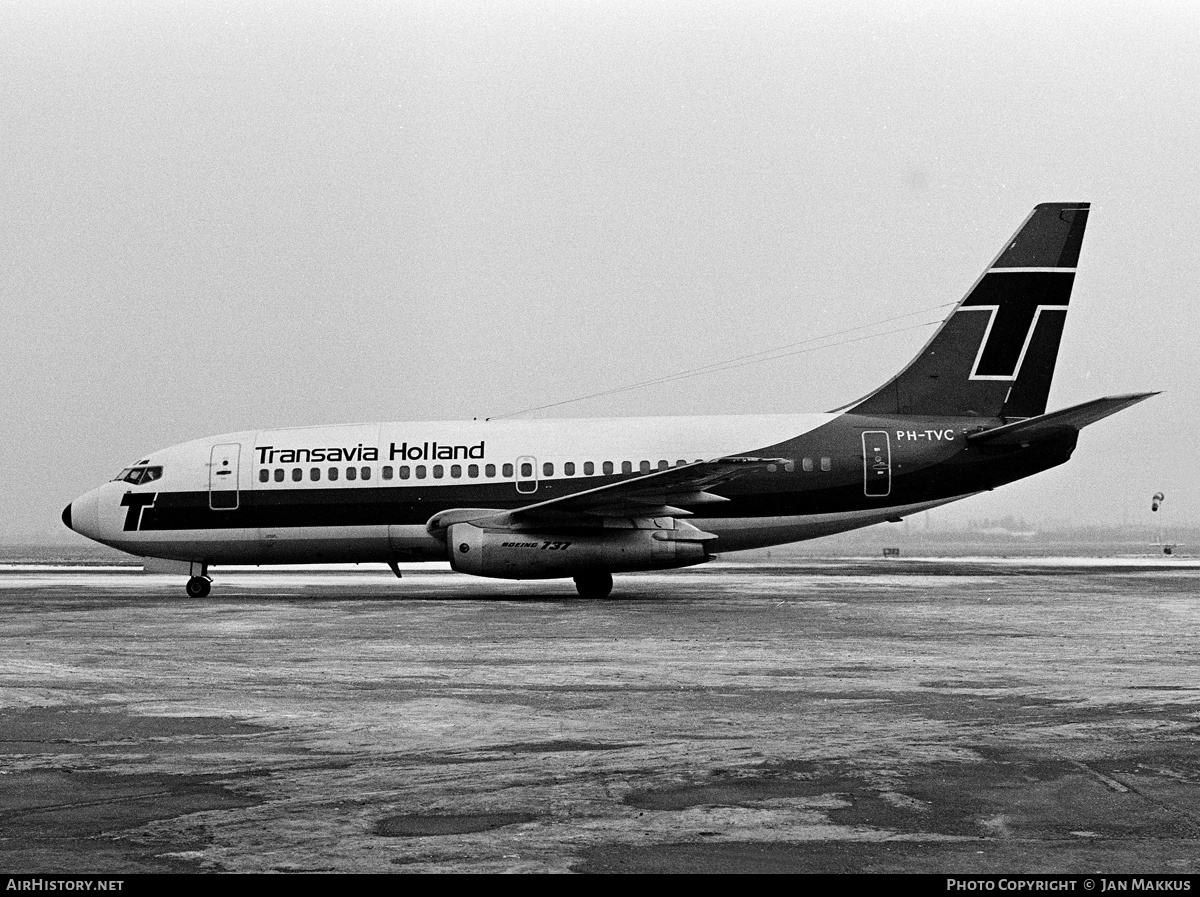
[[505, 554]]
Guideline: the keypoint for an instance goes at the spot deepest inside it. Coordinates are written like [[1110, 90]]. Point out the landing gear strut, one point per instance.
[[593, 585], [199, 587]]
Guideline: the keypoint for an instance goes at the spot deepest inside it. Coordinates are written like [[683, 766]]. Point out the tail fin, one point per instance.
[[994, 356]]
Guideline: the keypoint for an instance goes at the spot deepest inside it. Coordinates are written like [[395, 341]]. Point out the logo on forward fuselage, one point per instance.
[[417, 451], [268, 454], [137, 502]]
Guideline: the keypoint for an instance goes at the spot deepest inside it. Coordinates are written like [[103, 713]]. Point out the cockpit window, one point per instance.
[[139, 475]]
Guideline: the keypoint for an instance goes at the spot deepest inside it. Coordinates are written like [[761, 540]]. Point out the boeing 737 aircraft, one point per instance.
[[589, 498]]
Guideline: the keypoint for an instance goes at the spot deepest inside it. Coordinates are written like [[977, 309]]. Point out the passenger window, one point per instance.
[[278, 474], [387, 471], [772, 468], [548, 469], [472, 470], [789, 466], [507, 470], [663, 465], [644, 467], [438, 471], [588, 468], [626, 467], [826, 464], [365, 473], [351, 473], [526, 469], [314, 474], [420, 471], [404, 471], [333, 473], [490, 470], [608, 468], [569, 468], [297, 474], [807, 465], [264, 475], [680, 463], [456, 470]]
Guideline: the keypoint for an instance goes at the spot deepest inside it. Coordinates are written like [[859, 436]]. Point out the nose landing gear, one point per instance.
[[199, 587]]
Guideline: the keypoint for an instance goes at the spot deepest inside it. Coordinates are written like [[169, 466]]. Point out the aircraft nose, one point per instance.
[[83, 514]]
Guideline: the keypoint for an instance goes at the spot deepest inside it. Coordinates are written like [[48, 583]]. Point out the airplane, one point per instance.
[[587, 498]]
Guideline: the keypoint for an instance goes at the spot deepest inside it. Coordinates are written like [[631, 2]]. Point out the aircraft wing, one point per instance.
[[655, 494], [1057, 423]]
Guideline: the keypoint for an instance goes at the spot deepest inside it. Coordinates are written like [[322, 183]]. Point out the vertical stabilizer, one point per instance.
[[994, 355]]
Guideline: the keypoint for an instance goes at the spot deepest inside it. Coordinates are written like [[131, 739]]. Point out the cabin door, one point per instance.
[[877, 463], [223, 476]]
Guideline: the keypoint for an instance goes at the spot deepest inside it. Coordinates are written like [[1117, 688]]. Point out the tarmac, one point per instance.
[[952, 716]]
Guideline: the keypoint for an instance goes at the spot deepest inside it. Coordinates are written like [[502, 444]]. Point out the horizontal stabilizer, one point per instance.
[[1057, 423]]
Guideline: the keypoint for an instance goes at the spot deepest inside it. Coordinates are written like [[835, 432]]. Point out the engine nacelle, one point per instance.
[[551, 555]]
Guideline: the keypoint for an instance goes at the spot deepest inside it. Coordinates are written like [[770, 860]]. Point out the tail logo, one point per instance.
[[1015, 300]]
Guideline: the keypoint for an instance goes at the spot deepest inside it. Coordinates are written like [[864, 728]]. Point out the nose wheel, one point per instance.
[[199, 587]]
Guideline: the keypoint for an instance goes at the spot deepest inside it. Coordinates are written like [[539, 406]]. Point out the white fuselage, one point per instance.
[[403, 473]]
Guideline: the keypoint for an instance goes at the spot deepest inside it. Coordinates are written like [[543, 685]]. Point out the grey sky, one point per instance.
[[230, 216]]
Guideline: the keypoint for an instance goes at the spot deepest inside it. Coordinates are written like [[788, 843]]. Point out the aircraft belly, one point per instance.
[[224, 546], [743, 533], [413, 542], [323, 544], [289, 545]]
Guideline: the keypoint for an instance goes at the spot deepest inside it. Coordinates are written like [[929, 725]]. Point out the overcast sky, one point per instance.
[[224, 216]]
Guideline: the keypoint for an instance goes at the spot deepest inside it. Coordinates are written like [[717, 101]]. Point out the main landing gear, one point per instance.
[[593, 585], [199, 587]]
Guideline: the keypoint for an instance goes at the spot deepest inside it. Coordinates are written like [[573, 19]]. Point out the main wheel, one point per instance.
[[198, 587], [594, 585]]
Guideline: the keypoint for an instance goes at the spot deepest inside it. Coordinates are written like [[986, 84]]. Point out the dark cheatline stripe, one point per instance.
[[274, 508]]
